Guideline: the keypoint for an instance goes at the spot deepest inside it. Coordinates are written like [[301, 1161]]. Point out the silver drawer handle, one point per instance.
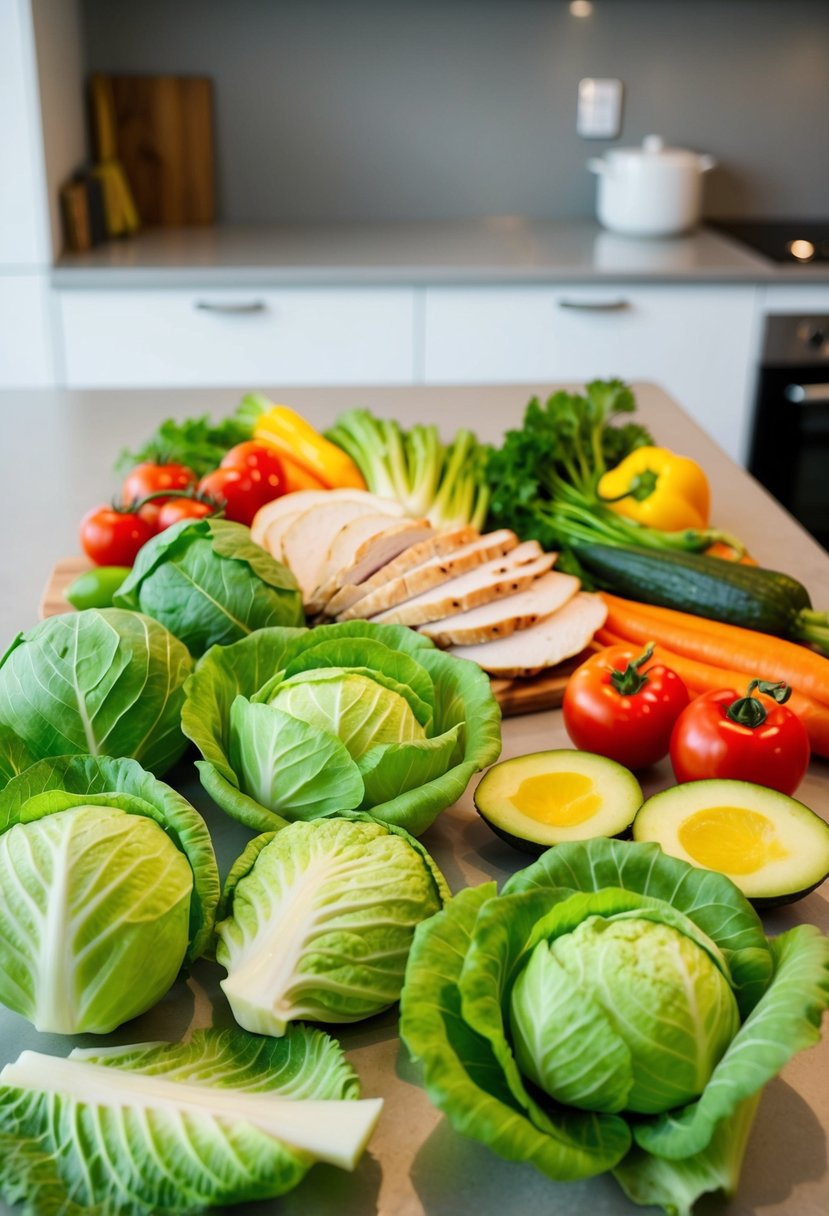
[[595, 305], [807, 394], [243, 307]]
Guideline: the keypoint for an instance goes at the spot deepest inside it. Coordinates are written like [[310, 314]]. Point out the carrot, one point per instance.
[[729, 646], [701, 677], [729, 554]]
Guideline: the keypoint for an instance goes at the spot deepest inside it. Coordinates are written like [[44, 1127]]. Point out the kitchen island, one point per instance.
[[56, 453]]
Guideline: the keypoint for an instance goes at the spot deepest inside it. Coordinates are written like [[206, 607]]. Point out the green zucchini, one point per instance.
[[749, 596]]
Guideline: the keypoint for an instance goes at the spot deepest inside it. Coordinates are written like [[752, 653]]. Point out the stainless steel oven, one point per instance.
[[789, 452]]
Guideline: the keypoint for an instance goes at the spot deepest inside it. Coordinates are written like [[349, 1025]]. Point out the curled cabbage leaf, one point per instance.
[[102, 682], [317, 921], [208, 583], [611, 1009], [297, 724], [108, 885], [176, 1127]]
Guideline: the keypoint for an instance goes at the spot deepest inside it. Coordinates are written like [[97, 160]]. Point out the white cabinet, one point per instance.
[[133, 338], [698, 342]]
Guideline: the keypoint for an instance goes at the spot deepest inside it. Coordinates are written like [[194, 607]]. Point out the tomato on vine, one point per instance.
[[112, 536], [622, 705], [722, 734]]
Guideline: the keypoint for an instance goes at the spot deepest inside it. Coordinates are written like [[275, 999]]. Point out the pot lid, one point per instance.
[[653, 148]]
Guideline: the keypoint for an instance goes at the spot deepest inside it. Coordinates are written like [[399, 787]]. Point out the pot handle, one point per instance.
[[706, 162], [597, 165]]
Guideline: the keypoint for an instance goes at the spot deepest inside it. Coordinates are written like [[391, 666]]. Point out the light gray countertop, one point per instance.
[[495, 249], [56, 454]]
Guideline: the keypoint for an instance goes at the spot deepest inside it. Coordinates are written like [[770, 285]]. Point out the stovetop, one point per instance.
[[791, 242]]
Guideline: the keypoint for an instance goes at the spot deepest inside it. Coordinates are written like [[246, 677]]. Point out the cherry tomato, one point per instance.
[[748, 738], [623, 706], [111, 537], [176, 509], [152, 478], [241, 491], [259, 460]]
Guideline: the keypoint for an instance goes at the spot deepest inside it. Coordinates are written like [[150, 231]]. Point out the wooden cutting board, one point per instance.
[[544, 691], [162, 134]]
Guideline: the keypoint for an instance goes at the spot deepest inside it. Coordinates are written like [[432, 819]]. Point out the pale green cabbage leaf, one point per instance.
[[177, 1127], [486, 1014], [297, 724], [317, 921], [108, 886], [102, 682]]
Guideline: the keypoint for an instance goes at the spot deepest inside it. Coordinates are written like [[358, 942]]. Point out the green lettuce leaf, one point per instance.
[[15, 756], [172, 1128]]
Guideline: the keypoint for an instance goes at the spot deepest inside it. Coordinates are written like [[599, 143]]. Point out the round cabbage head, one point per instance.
[[297, 724], [108, 885]]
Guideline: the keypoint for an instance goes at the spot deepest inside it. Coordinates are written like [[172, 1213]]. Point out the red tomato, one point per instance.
[[622, 706], [261, 462], [708, 742], [239, 492], [176, 509], [152, 478], [110, 537]]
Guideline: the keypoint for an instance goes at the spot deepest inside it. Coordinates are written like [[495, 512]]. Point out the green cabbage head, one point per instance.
[[611, 1009], [102, 682], [208, 583], [317, 921], [108, 886], [299, 723]]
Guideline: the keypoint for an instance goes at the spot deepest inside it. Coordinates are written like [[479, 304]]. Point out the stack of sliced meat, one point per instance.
[[485, 597]]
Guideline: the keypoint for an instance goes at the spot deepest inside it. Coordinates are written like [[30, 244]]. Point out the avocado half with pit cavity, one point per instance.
[[546, 798], [771, 846]]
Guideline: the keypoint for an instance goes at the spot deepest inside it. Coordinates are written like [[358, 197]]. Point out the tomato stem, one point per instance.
[[748, 711], [631, 681]]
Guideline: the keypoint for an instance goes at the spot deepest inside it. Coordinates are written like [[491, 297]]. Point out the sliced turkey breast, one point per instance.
[[307, 539], [436, 545], [502, 617], [545, 644], [432, 573], [301, 500], [361, 547], [500, 577]]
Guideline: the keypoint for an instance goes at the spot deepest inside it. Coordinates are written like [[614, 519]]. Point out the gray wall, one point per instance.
[[427, 109]]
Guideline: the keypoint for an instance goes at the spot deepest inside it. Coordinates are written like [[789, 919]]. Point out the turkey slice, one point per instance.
[[307, 539], [500, 618], [360, 548], [301, 500], [431, 574], [545, 644], [494, 579], [434, 546]]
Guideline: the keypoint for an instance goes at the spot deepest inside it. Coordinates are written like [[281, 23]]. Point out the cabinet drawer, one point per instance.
[[696, 342], [239, 337]]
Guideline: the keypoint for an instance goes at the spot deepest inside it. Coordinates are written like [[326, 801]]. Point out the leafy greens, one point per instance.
[[176, 1127], [317, 921], [199, 443], [99, 682], [545, 1017], [297, 724], [108, 885], [208, 583]]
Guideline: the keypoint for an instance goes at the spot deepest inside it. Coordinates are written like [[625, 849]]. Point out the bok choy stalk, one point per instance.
[[442, 483]]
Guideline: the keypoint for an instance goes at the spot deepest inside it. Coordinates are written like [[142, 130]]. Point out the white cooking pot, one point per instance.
[[650, 191]]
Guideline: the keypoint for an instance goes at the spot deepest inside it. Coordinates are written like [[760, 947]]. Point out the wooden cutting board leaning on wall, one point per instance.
[[163, 137]]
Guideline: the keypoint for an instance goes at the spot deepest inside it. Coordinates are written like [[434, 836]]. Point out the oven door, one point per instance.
[[790, 444]]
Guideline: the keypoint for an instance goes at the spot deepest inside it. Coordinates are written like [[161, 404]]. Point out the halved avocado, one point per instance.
[[774, 848], [546, 798]]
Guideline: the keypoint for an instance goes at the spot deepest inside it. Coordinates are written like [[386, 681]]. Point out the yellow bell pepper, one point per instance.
[[657, 488], [296, 439]]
